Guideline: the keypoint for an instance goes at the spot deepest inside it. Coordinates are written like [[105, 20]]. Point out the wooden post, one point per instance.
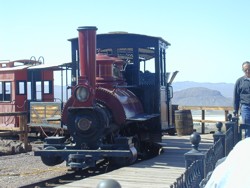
[[23, 136], [203, 122], [226, 114]]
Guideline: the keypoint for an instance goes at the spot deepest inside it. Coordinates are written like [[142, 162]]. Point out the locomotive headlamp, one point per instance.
[[82, 93]]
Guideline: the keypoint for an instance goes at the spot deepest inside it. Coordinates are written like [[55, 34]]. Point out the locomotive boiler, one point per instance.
[[118, 108]]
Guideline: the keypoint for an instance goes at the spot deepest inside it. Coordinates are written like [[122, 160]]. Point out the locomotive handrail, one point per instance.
[[106, 153], [23, 105], [143, 117], [12, 113], [54, 118], [129, 86], [41, 57], [33, 57], [60, 100]]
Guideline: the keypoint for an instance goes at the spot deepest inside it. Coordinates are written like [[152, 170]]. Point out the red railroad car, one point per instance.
[[21, 82]]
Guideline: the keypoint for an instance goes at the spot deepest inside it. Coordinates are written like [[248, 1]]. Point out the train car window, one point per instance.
[[38, 90], [21, 87], [147, 73], [29, 90], [47, 87], [1, 91], [148, 66], [5, 91], [116, 71]]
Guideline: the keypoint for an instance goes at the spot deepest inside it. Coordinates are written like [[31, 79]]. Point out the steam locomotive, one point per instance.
[[120, 103]]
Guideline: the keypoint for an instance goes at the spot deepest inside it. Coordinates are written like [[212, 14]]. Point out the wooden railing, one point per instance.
[[203, 110], [22, 130]]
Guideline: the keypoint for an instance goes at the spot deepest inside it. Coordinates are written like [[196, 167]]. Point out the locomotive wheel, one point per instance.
[[51, 160], [137, 145], [124, 161], [151, 149], [171, 131]]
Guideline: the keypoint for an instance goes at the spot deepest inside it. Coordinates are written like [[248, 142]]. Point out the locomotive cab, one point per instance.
[[145, 74]]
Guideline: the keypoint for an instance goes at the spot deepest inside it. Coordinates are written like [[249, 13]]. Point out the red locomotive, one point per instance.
[[118, 108]]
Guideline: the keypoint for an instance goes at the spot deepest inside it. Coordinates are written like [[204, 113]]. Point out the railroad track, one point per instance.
[[101, 168]]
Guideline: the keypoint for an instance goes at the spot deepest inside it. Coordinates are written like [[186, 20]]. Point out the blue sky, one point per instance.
[[209, 39]]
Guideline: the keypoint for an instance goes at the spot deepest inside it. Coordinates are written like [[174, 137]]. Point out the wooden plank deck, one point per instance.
[[159, 172]]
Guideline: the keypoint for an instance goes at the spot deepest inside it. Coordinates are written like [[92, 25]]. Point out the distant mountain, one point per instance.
[[226, 89], [200, 96], [191, 93]]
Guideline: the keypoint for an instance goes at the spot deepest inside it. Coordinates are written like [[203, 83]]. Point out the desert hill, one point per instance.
[[200, 96], [226, 89], [193, 93]]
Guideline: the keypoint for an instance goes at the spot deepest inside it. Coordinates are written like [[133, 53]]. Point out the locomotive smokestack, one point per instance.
[[87, 55]]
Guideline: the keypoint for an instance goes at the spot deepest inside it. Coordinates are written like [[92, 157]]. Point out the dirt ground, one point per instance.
[[20, 169]]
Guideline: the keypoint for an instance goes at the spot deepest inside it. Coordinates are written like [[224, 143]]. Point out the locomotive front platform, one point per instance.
[[161, 171]]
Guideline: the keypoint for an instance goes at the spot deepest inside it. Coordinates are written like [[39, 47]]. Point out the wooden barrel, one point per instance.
[[183, 122]]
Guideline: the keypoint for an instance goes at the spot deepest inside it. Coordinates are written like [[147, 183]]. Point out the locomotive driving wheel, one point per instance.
[[51, 160], [124, 161], [130, 143]]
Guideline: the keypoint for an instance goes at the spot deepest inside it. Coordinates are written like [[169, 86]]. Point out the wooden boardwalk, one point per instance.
[[159, 172]]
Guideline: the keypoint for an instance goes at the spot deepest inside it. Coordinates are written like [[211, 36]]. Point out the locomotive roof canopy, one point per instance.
[[125, 42]]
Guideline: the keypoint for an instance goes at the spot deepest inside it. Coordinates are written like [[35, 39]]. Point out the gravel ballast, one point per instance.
[[21, 169]]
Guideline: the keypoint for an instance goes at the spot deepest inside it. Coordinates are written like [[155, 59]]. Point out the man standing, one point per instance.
[[242, 96]]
